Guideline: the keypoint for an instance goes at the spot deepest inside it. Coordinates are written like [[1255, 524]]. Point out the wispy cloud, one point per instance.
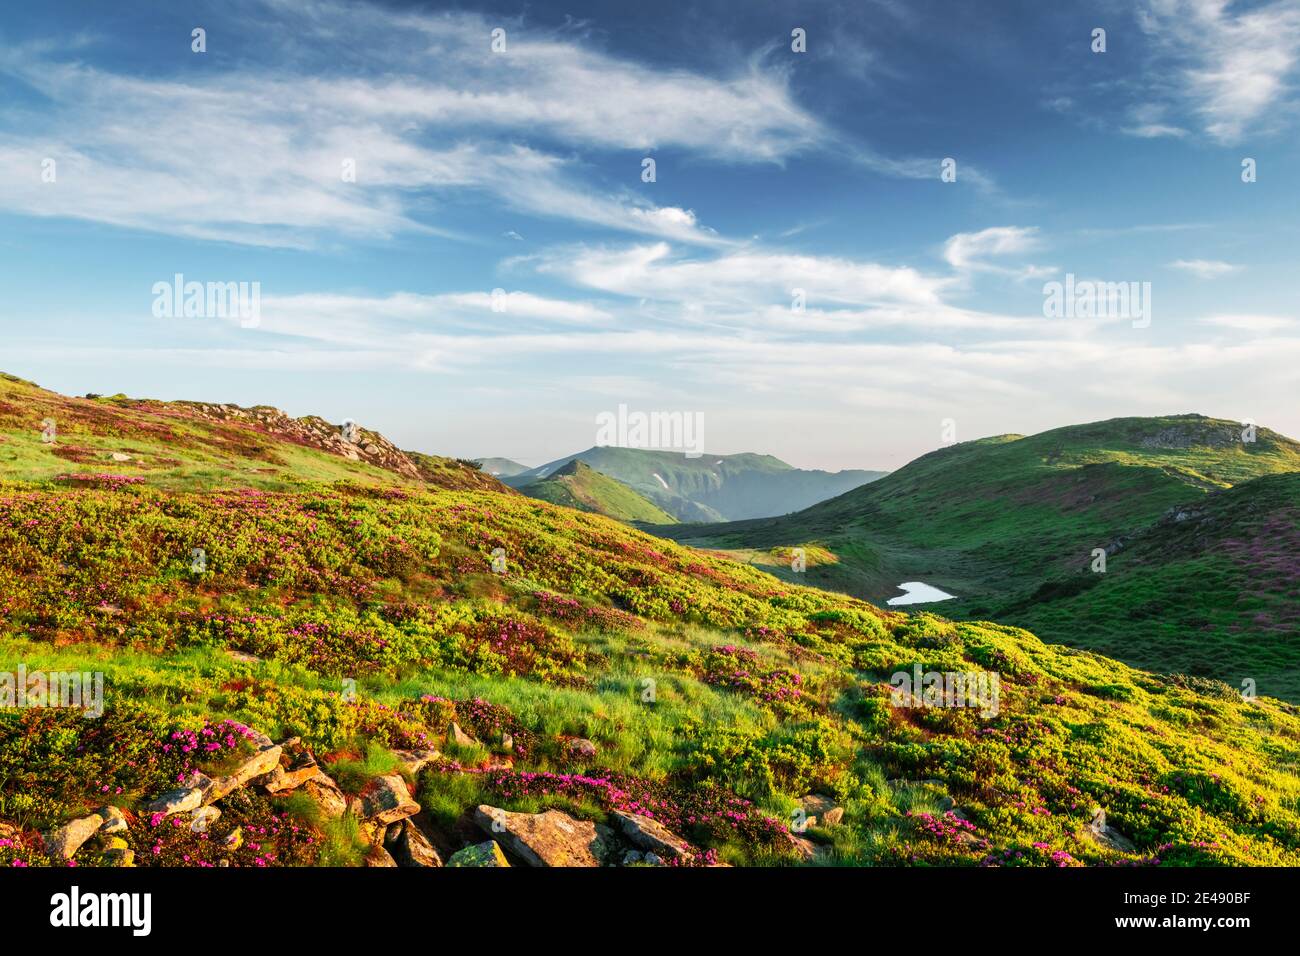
[[1205, 268]]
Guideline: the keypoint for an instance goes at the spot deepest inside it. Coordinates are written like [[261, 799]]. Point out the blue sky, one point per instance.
[[521, 171]]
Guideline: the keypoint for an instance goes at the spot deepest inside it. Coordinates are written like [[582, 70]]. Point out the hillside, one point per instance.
[[500, 467], [577, 486], [201, 445], [993, 520], [377, 672], [710, 487]]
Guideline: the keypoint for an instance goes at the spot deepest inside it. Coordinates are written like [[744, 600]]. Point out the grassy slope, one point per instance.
[[712, 487], [993, 520], [760, 689], [577, 486]]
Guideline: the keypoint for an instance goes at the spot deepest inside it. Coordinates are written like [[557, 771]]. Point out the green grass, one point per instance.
[[578, 486]]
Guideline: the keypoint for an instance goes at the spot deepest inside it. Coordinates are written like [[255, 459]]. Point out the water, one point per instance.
[[918, 592]]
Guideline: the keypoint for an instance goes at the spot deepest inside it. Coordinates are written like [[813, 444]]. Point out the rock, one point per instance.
[[259, 764], [378, 856], [203, 818], [833, 817], [483, 854], [294, 770], [409, 846], [1106, 836], [121, 456], [414, 760], [632, 856], [175, 801], [654, 859], [652, 835], [387, 800], [327, 796], [457, 736], [551, 838], [806, 850], [581, 747], [114, 820], [242, 657], [67, 839], [507, 741], [816, 804]]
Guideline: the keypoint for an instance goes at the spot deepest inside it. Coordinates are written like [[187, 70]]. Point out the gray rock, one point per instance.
[[67, 839], [387, 800], [114, 820], [652, 835], [175, 801], [409, 846]]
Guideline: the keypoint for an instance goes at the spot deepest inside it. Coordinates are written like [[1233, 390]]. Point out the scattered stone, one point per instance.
[[203, 818], [652, 835], [387, 800], [67, 839], [409, 846], [507, 741], [459, 737], [121, 456], [833, 817], [632, 856], [114, 820], [1107, 836], [581, 747], [378, 856], [483, 854], [414, 760], [242, 657], [261, 763], [551, 838], [327, 796], [654, 859], [175, 801], [295, 769]]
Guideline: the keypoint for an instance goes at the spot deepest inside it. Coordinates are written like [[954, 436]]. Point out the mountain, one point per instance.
[[575, 485], [322, 659], [994, 521], [500, 467], [201, 444], [710, 487]]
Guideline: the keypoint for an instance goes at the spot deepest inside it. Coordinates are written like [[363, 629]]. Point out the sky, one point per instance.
[[456, 239]]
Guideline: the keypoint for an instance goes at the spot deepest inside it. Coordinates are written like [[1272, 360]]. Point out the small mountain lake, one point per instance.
[[918, 592]]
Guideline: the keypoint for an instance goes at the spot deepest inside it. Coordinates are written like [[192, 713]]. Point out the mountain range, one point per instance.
[[700, 489]]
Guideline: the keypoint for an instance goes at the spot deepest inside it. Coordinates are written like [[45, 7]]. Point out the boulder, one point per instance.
[[483, 854], [1107, 836], [551, 838], [175, 801], [114, 820], [413, 761], [295, 769], [67, 839], [409, 846], [652, 835], [327, 796], [259, 764], [581, 747], [378, 856], [387, 800], [457, 736]]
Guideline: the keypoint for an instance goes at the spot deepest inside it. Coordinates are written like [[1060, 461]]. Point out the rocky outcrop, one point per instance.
[[386, 800], [325, 793], [653, 836], [64, 842], [1105, 835], [482, 854], [551, 838], [176, 801], [408, 845]]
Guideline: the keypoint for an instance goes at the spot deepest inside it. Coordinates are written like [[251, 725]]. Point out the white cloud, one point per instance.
[[1204, 268], [1231, 62]]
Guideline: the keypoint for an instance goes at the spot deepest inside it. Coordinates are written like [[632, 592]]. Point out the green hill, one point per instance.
[[710, 487], [993, 520], [577, 486], [445, 649]]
